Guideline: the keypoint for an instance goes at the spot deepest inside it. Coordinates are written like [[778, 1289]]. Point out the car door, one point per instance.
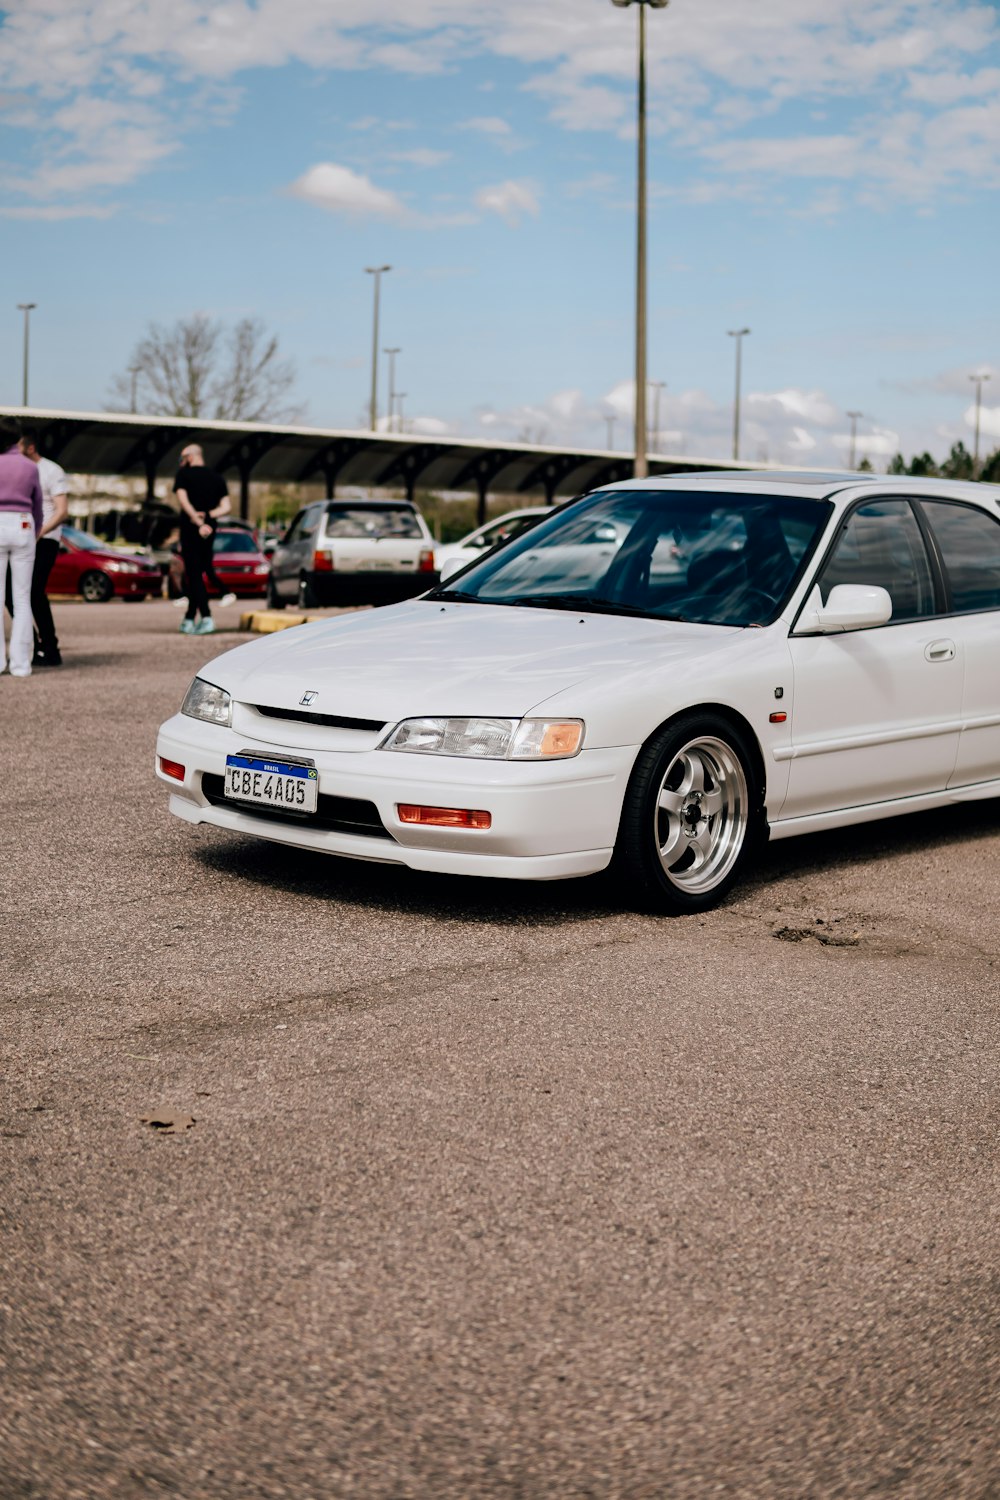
[[65, 575], [968, 539], [875, 713], [290, 554]]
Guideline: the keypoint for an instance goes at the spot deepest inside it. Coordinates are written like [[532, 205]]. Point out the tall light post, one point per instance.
[[400, 398], [658, 386], [134, 390], [392, 381], [641, 462], [854, 416], [739, 334], [378, 272], [27, 308], [977, 379]]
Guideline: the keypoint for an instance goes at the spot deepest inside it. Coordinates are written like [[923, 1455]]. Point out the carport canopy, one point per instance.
[[123, 444]]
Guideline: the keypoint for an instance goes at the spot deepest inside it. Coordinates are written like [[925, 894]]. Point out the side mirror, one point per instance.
[[851, 606]]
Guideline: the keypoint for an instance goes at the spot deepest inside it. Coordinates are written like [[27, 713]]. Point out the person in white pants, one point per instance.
[[20, 522]]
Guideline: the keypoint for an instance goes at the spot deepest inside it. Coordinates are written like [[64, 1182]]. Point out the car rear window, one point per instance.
[[371, 521], [234, 541]]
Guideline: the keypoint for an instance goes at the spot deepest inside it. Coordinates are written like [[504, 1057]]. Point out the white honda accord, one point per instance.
[[761, 654]]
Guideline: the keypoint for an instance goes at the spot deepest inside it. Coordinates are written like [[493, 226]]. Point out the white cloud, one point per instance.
[[929, 118], [487, 125], [340, 190], [511, 200]]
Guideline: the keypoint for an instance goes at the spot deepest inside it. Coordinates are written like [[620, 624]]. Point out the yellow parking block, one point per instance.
[[266, 621]]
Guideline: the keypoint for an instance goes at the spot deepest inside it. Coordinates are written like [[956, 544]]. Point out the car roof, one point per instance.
[[816, 484]]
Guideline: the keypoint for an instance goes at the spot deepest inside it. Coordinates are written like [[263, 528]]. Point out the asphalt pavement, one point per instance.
[[492, 1190]]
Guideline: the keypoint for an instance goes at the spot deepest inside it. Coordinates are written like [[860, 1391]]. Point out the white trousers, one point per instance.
[[17, 550]]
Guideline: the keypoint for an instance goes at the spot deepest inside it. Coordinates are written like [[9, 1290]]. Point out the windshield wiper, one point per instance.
[[459, 596], [586, 602]]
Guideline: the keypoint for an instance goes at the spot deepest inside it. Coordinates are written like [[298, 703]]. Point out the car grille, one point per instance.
[[328, 721], [332, 815]]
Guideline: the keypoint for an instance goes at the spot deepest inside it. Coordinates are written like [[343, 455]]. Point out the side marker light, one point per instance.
[[444, 817], [172, 768], [777, 718]]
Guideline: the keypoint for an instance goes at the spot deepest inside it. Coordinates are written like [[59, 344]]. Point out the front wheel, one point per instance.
[[274, 599], [692, 815], [307, 596], [96, 588]]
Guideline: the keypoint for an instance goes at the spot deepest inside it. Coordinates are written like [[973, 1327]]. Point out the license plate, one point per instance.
[[369, 565], [279, 784]]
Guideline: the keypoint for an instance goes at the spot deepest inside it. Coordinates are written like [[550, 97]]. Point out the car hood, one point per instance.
[[430, 658]]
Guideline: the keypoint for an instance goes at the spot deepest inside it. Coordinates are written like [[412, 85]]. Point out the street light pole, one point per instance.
[[400, 398], [739, 334], [377, 272], [134, 372], [392, 381], [854, 415], [658, 386], [27, 308], [641, 461], [977, 379]]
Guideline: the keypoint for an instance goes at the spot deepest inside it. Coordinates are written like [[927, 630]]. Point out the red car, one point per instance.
[[89, 567], [239, 562]]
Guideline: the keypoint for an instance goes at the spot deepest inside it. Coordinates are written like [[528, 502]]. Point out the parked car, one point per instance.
[[352, 551], [240, 564], [451, 556], [838, 665], [98, 572]]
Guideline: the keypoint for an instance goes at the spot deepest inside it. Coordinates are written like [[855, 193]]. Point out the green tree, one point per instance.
[[958, 464], [865, 466], [990, 471], [898, 465], [922, 466]]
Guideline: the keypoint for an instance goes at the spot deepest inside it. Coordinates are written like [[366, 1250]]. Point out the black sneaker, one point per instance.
[[47, 659]]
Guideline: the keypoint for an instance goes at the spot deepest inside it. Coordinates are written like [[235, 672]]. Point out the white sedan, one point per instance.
[[821, 651], [449, 557]]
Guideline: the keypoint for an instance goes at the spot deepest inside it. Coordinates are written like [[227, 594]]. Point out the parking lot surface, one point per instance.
[[492, 1190]]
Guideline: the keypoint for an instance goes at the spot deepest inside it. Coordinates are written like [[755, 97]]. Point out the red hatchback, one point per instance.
[[99, 572], [239, 562]]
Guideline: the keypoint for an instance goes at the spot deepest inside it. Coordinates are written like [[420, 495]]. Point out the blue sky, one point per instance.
[[827, 176]]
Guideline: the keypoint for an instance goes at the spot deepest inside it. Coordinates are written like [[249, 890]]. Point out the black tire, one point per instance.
[[274, 599], [307, 594], [692, 818], [96, 588], [173, 592]]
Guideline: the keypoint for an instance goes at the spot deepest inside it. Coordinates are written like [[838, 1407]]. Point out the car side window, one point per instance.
[[882, 544], [294, 531], [969, 540]]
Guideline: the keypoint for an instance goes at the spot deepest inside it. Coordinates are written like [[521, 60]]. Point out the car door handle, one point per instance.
[[940, 651]]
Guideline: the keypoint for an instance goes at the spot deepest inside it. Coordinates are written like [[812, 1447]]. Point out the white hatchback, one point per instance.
[[351, 552], [758, 654]]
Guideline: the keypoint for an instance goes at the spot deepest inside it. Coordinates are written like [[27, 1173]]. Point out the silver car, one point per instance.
[[352, 552]]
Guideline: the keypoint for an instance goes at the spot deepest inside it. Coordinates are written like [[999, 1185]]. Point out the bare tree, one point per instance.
[[198, 368]]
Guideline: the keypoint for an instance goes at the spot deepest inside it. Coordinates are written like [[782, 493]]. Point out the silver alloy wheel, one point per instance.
[[701, 816]]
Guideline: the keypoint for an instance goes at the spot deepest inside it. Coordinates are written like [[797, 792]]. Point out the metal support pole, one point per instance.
[[377, 272], [978, 381], [641, 463], [854, 415], [738, 334], [27, 308], [658, 386], [392, 382]]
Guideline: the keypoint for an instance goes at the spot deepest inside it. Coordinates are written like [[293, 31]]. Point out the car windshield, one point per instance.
[[77, 538], [234, 541], [714, 559], [370, 521]]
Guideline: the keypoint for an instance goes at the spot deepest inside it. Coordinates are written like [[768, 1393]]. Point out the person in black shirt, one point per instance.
[[204, 499]]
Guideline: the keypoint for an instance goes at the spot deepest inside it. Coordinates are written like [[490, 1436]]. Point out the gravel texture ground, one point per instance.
[[492, 1190]]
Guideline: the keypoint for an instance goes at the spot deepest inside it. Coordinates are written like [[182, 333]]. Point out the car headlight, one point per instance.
[[488, 739], [203, 700], [123, 567]]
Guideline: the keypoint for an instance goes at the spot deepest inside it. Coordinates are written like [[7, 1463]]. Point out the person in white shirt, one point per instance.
[[55, 507]]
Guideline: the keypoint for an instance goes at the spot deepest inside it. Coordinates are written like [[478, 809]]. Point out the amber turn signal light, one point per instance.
[[443, 817]]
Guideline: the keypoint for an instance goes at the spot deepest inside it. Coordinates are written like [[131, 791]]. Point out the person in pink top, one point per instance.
[[20, 523]]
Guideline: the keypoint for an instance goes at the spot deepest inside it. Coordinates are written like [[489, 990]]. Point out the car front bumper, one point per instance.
[[549, 821]]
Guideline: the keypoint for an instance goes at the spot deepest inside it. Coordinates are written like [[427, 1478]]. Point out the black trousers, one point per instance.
[[46, 552], [196, 553]]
